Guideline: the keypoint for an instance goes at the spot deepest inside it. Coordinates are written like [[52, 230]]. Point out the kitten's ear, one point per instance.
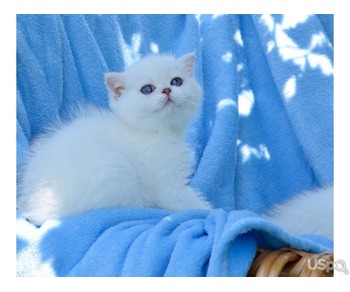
[[115, 83], [188, 62]]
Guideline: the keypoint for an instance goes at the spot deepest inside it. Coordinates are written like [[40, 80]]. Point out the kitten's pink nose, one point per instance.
[[166, 91]]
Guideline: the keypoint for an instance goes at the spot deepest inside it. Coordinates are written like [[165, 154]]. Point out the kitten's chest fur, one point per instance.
[[116, 147], [116, 158], [149, 150], [162, 156]]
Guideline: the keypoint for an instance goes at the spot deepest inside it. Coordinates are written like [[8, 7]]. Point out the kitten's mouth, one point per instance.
[[166, 105], [169, 102]]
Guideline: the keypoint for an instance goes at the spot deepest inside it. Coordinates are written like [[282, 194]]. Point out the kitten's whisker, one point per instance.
[[188, 103], [159, 102]]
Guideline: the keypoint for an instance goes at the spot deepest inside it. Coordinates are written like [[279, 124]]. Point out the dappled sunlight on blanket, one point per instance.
[[291, 51], [245, 102], [256, 152], [131, 52], [28, 243], [225, 103], [289, 89]]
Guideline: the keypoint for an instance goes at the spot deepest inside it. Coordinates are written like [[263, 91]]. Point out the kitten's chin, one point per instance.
[[170, 119], [164, 105], [175, 118], [169, 103], [176, 115]]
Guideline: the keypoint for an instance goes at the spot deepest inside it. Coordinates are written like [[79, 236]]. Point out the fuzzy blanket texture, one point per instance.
[[263, 133]]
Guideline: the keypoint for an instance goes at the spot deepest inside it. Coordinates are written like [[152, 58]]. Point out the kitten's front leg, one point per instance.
[[183, 198], [170, 185]]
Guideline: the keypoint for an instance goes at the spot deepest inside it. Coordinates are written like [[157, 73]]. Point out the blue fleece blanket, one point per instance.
[[264, 133]]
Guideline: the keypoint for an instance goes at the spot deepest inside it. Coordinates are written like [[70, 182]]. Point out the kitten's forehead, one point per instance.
[[157, 67]]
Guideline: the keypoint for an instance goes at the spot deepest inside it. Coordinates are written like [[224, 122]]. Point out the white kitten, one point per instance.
[[133, 156], [310, 212]]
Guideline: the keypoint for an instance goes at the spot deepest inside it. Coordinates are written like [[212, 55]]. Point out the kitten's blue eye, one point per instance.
[[147, 89], [177, 81]]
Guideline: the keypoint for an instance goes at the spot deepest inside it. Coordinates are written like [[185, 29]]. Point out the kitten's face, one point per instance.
[[157, 93]]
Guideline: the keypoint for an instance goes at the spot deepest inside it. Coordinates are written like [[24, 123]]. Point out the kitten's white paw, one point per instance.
[[185, 200]]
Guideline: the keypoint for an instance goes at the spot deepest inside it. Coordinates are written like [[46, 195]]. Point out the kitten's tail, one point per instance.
[[310, 212]]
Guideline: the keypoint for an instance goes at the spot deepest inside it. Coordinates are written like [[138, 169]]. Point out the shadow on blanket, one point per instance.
[[264, 132]]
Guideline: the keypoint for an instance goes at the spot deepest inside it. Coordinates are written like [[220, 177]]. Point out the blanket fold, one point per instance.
[[145, 242], [263, 133]]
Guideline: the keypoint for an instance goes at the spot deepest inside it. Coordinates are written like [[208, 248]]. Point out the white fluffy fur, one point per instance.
[[133, 156], [310, 212]]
